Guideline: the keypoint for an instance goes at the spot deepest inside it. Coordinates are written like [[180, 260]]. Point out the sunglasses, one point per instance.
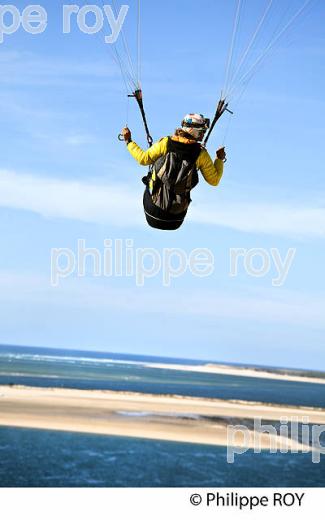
[[206, 125]]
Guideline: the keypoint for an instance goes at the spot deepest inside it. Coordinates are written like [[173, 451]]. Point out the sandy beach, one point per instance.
[[146, 416], [213, 368]]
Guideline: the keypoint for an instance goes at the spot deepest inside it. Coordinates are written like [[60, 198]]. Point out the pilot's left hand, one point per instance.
[[221, 154]]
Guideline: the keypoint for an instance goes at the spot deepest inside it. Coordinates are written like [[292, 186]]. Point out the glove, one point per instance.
[[221, 154]]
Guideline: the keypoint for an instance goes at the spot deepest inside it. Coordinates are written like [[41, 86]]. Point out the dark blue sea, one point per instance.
[[57, 459]]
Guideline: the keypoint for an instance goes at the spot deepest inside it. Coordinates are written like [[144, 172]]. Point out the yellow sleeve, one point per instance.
[[145, 158], [211, 171]]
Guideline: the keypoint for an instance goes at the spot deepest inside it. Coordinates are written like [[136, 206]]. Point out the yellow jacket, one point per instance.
[[211, 171]]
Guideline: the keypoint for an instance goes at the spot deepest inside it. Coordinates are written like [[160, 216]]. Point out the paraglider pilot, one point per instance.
[[174, 163]]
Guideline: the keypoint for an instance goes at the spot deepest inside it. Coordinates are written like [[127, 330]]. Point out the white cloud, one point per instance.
[[120, 205], [79, 139], [273, 306], [274, 219], [56, 198]]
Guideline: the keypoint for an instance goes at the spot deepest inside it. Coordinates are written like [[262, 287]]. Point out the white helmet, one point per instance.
[[196, 125]]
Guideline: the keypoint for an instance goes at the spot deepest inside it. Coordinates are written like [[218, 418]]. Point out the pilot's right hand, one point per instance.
[[126, 133]]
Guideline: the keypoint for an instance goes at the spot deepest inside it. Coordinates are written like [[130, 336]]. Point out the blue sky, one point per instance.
[[64, 176]]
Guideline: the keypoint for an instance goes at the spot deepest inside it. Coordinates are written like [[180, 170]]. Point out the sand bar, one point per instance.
[[227, 370], [147, 416]]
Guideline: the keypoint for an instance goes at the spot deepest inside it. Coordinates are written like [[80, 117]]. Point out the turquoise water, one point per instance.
[[56, 459], [45, 458]]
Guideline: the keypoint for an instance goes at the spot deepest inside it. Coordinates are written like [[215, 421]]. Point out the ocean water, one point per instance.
[[35, 458], [30, 457], [89, 370]]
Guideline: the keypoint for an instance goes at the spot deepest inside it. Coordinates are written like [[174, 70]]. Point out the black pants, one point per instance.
[[159, 219]]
